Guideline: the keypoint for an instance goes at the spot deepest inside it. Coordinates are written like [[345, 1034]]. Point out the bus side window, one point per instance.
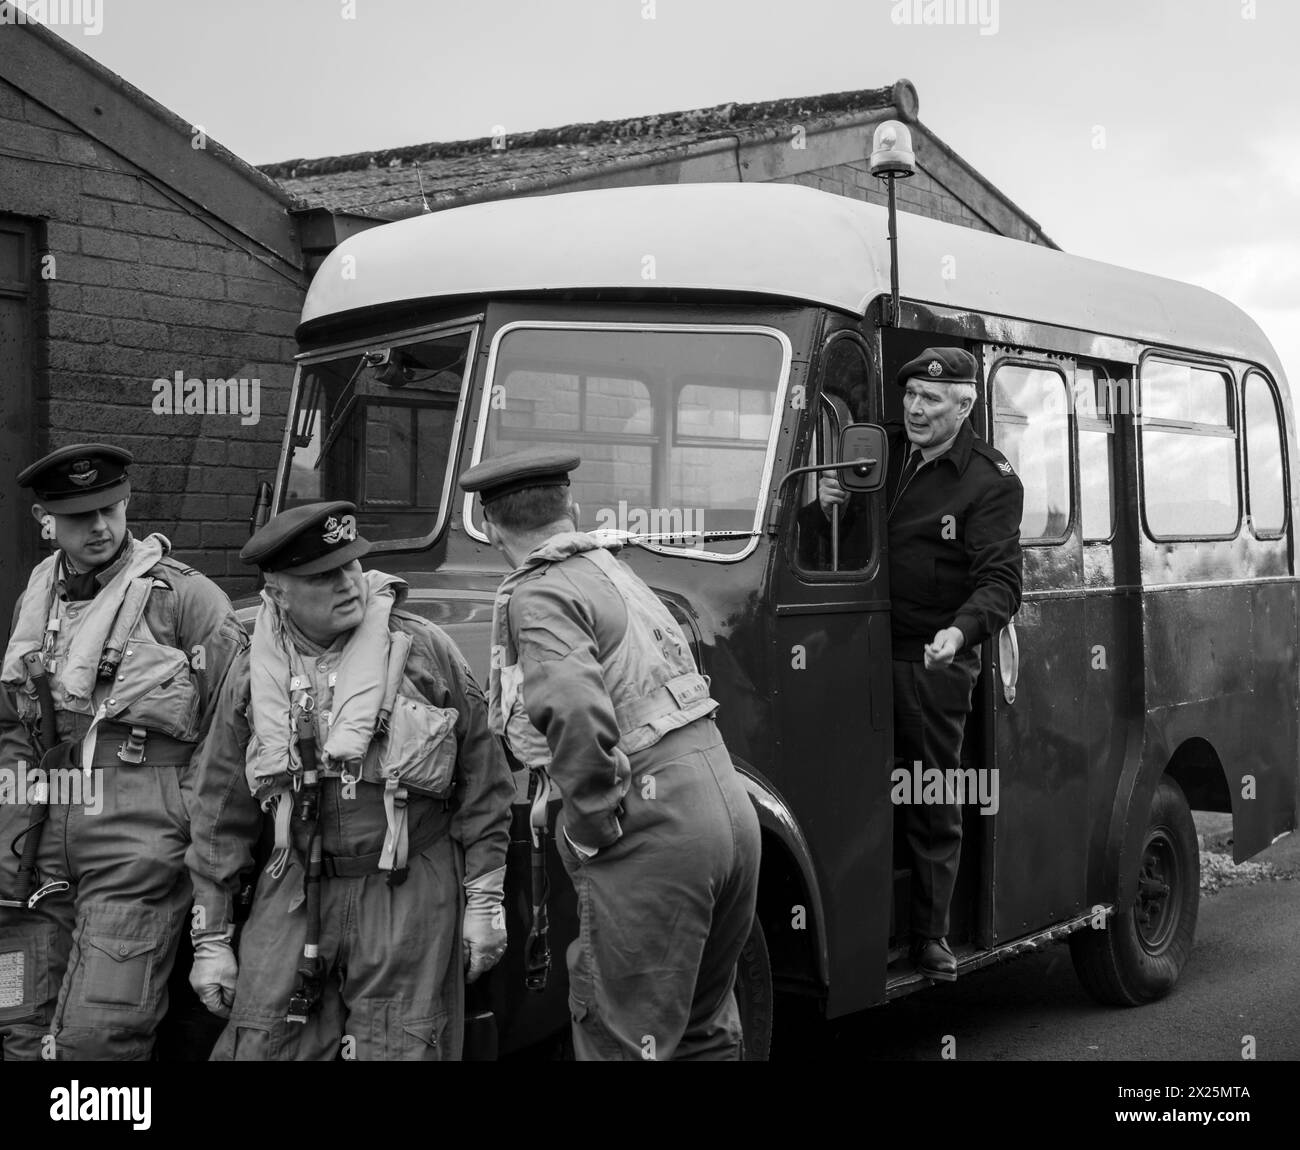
[[820, 544], [1189, 451], [1093, 397], [1265, 464], [1031, 428]]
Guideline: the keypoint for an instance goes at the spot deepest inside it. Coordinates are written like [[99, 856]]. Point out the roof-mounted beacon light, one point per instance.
[[891, 150], [892, 159]]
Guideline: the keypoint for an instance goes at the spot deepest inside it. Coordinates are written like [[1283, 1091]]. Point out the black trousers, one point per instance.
[[930, 709]]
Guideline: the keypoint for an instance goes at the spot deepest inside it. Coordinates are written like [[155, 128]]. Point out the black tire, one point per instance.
[[1139, 955], [754, 995]]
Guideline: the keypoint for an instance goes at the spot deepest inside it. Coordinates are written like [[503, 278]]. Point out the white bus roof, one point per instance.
[[779, 240]]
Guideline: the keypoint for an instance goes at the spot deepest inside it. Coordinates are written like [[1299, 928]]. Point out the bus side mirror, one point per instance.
[[864, 454]]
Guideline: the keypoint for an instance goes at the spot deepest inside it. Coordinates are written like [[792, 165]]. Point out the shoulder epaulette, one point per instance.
[[176, 565], [409, 616]]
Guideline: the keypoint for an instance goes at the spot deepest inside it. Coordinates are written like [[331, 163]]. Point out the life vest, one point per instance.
[[650, 674], [152, 686], [371, 722]]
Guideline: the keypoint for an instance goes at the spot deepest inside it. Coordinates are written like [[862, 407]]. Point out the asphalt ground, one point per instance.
[[1239, 993]]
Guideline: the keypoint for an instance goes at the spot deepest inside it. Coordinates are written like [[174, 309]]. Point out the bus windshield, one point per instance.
[[674, 425], [376, 426]]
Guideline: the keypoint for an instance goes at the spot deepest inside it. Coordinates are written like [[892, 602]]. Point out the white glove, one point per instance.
[[214, 972], [483, 934]]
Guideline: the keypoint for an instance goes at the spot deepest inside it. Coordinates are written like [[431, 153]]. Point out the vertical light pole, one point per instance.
[[892, 159]]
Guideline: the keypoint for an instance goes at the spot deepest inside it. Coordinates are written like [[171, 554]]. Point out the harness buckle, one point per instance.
[[132, 750], [54, 886]]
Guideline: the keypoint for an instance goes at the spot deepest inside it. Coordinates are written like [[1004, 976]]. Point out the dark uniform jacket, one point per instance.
[[954, 542]]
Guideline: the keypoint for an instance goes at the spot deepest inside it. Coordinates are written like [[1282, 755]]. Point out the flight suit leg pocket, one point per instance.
[[250, 1043], [593, 1041], [117, 971], [425, 1039], [25, 984], [122, 958], [246, 1040]]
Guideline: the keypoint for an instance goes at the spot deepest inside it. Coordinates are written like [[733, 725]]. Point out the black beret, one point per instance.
[[941, 365], [506, 474], [307, 540], [81, 477]]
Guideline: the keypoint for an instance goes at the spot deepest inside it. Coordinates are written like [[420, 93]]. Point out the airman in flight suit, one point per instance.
[[360, 731], [592, 680], [110, 678]]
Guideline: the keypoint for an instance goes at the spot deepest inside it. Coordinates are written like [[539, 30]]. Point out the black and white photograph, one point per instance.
[[652, 531]]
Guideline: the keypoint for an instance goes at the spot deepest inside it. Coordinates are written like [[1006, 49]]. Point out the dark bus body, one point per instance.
[[1152, 666]]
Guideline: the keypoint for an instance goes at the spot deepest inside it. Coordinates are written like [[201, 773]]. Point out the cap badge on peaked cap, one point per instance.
[[309, 539], [80, 477], [338, 530]]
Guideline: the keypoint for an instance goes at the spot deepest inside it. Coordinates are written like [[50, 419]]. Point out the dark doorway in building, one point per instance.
[[17, 433]]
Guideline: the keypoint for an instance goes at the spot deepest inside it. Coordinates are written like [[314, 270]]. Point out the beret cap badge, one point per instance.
[[942, 365]]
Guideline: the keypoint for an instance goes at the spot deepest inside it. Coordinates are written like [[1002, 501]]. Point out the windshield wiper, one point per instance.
[[347, 402]]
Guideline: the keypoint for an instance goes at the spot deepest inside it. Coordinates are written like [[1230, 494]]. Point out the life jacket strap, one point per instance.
[[396, 845]]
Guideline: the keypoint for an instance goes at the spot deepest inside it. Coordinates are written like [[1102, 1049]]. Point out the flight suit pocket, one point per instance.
[[597, 1040], [252, 1043], [420, 749], [24, 970], [117, 971], [592, 1038], [158, 691], [424, 1039]]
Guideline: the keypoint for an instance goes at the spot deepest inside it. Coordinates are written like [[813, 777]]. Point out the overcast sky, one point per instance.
[[1159, 134]]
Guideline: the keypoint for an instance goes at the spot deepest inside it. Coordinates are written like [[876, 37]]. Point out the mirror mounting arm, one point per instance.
[[774, 507]]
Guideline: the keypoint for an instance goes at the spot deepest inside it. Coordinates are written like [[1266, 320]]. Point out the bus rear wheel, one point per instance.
[[754, 995], [1139, 955]]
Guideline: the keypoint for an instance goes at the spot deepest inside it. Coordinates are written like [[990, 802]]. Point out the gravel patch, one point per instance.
[[1218, 872]]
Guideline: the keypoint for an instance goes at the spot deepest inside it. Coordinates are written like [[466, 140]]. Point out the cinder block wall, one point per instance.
[[137, 283]]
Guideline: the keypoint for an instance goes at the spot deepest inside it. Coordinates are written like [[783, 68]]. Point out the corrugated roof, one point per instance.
[[386, 184]]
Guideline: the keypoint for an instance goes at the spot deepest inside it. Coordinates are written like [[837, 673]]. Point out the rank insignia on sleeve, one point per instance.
[[1005, 468]]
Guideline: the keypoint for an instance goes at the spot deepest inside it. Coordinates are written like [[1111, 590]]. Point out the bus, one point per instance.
[[697, 345]]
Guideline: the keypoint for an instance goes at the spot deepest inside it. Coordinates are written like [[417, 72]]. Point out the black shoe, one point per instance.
[[934, 959]]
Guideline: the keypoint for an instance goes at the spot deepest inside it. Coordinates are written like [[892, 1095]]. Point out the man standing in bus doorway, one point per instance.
[[592, 679], [954, 507], [110, 680], [361, 732]]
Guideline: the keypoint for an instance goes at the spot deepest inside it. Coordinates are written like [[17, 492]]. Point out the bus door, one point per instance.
[[833, 704], [1041, 724]]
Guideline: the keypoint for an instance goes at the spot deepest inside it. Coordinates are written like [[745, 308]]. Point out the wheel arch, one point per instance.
[[787, 881], [1196, 766]]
